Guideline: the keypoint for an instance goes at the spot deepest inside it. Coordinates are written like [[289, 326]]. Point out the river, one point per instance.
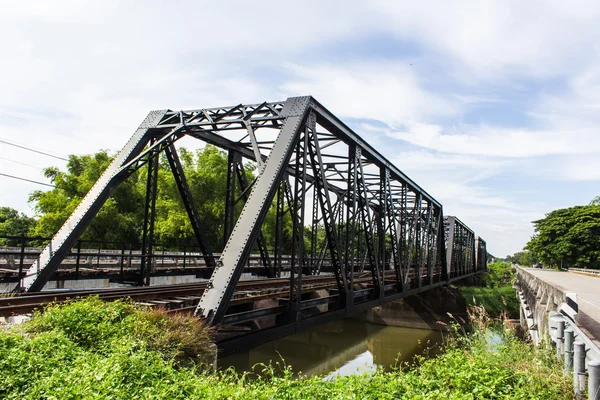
[[341, 347]]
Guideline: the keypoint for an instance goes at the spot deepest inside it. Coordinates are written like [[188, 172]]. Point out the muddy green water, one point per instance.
[[342, 347]]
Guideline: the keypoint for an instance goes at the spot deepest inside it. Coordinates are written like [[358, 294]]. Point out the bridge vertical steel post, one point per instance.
[[297, 261], [149, 217], [215, 299], [402, 243], [432, 256], [428, 243], [321, 189], [314, 270], [279, 215], [410, 252], [450, 223], [230, 195], [473, 253], [418, 240], [368, 227], [381, 225], [351, 220], [393, 231], [441, 249]]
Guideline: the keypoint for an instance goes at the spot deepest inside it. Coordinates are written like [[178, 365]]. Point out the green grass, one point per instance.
[[95, 350], [496, 300], [495, 293]]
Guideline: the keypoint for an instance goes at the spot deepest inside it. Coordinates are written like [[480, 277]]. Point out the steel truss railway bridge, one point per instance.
[[373, 234]]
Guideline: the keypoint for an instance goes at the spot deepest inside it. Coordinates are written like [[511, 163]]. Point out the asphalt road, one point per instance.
[[588, 294]]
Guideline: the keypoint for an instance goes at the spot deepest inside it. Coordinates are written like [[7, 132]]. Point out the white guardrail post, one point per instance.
[[579, 352]]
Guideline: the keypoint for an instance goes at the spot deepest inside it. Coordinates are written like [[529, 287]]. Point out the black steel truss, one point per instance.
[[350, 209]]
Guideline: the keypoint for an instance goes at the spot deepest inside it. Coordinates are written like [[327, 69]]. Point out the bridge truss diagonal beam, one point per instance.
[[38, 274], [189, 204], [215, 299]]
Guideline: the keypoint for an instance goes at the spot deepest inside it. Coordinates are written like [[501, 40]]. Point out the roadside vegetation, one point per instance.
[[567, 237], [94, 350], [494, 292]]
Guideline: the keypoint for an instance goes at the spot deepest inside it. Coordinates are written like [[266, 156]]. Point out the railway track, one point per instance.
[[174, 298], [167, 296]]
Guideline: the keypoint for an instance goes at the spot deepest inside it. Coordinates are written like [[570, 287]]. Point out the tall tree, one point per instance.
[[13, 223], [117, 220], [568, 236], [525, 258], [121, 218], [206, 173]]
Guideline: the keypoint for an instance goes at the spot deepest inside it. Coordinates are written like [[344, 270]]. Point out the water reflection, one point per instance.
[[340, 347]]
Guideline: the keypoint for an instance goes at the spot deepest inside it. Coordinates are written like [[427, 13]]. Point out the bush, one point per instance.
[[130, 354], [499, 274], [94, 325]]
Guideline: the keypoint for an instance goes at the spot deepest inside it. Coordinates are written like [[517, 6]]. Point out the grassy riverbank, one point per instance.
[[495, 292], [92, 350]]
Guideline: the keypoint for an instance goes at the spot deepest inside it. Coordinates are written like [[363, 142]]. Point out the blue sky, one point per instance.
[[492, 107]]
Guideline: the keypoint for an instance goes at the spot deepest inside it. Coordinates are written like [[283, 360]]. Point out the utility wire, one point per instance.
[[27, 180], [42, 183], [35, 151], [16, 120], [28, 121], [22, 163]]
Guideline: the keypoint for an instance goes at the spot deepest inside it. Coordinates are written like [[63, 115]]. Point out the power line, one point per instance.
[[28, 121], [35, 151], [42, 183], [16, 120], [22, 163], [28, 180]]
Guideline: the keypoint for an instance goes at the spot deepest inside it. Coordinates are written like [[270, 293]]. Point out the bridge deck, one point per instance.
[[587, 288]]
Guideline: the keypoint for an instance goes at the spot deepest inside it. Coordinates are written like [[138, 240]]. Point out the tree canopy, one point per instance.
[[13, 223], [525, 258], [120, 220], [568, 237], [121, 217]]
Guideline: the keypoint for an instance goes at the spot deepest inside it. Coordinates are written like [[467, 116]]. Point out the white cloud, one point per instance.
[[496, 141], [572, 168], [486, 38], [377, 89]]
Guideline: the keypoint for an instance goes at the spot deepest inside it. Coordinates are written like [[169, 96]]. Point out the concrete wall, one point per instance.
[[537, 299]]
